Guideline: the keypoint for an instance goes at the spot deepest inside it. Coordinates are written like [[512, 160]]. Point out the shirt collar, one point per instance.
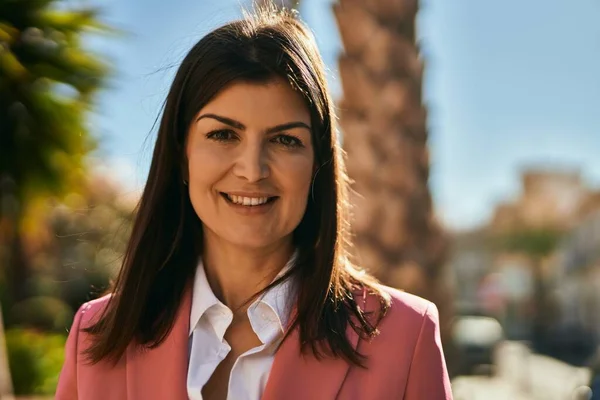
[[202, 296], [279, 298]]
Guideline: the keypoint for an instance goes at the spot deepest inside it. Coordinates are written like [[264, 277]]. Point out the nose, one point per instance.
[[252, 163]]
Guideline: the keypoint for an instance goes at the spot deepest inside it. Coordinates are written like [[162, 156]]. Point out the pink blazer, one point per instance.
[[405, 361]]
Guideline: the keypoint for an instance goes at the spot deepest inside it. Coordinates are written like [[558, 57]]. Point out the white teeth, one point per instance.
[[248, 201]]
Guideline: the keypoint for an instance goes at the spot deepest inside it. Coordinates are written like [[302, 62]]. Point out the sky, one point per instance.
[[508, 84]]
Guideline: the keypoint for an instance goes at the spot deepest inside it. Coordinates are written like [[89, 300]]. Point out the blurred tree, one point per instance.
[[384, 124], [47, 84], [78, 248], [88, 233], [531, 241], [537, 244]]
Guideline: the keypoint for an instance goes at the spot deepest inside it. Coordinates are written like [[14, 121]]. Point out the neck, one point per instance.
[[237, 273]]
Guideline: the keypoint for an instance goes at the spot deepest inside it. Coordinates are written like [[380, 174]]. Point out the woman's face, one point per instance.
[[250, 162]]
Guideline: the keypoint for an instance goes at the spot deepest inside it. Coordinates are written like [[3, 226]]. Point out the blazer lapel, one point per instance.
[[302, 376], [161, 373]]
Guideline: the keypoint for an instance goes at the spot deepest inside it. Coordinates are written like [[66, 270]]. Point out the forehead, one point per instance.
[[246, 102]]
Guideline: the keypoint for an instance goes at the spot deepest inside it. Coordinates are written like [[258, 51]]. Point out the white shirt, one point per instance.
[[210, 318]]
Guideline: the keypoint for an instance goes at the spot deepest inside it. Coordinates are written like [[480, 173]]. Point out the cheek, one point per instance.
[[296, 178], [204, 167], [200, 188]]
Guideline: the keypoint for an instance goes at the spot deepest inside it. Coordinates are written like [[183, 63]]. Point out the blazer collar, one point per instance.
[[295, 375], [161, 372]]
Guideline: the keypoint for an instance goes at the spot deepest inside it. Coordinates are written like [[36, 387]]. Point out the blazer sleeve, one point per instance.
[[428, 376], [67, 381]]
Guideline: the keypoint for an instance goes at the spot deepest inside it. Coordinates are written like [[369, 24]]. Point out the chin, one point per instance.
[[253, 238], [250, 237], [252, 242]]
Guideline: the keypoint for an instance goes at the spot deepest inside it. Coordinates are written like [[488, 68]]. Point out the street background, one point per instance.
[[472, 131]]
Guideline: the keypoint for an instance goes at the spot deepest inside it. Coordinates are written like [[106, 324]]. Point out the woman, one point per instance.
[[236, 282]]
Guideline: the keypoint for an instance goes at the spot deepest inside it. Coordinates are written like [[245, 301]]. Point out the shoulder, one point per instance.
[[406, 355], [406, 312], [74, 371], [90, 312], [409, 305]]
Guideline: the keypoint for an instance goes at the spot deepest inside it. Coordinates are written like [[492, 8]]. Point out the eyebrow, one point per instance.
[[238, 125]]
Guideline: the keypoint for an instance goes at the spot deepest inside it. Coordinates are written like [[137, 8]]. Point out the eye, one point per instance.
[[287, 141], [222, 135]]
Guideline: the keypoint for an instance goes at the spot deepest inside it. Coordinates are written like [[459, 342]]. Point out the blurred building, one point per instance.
[[549, 198], [470, 262], [492, 283], [515, 276], [576, 285]]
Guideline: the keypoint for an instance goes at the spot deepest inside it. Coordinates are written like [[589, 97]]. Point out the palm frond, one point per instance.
[[45, 137], [11, 67], [73, 21], [8, 33]]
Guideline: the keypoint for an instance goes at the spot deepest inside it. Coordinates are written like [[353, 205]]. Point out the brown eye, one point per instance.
[[223, 135], [288, 141]]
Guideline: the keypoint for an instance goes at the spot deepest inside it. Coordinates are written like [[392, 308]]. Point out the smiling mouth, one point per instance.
[[248, 201]]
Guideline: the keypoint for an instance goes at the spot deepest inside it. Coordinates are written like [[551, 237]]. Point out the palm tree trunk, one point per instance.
[[383, 121], [13, 261], [6, 392], [19, 269], [8, 211]]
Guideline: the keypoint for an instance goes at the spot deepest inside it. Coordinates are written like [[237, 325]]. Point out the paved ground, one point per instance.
[[484, 388], [522, 375]]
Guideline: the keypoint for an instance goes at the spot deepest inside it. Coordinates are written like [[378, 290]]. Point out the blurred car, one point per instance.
[[476, 338]]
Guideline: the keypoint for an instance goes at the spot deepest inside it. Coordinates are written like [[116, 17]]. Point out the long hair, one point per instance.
[[166, 240]]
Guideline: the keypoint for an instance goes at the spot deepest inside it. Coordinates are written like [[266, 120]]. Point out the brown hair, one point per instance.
[[165, 244]]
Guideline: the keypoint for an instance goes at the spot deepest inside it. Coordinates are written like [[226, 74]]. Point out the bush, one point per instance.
[[35, 360], [42, 312]]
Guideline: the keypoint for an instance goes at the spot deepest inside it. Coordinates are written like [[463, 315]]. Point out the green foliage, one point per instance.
[[43, 312], [35, 361], [85, 240], [47, 84], [533, 242], [90, 235]]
